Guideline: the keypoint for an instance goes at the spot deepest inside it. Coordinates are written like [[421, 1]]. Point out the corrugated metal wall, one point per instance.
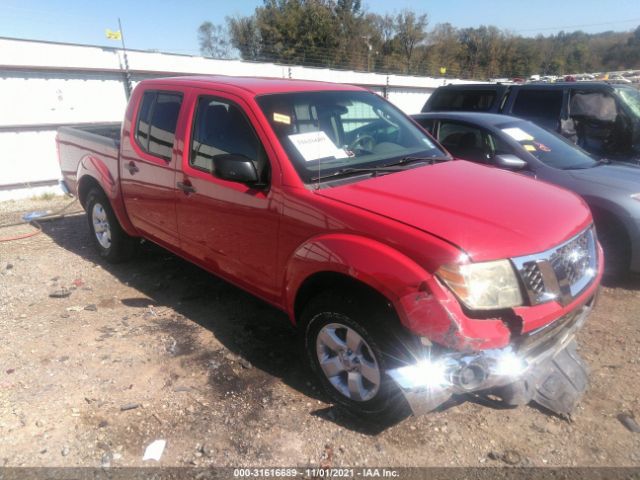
[[45, 85]]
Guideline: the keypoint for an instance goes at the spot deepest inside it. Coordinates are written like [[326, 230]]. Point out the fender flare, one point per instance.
[[373, 263], [94, 168]]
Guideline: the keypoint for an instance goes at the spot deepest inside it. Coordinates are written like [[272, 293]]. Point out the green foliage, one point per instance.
[[214, 41], [340, 34]]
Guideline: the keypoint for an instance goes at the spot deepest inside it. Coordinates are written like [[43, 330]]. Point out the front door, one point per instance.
[[231, 228]]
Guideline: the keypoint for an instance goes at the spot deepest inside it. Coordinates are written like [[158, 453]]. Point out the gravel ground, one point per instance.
[[158, 349]]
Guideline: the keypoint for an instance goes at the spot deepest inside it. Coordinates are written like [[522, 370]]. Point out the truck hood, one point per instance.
[[620, 176], [486, 212]]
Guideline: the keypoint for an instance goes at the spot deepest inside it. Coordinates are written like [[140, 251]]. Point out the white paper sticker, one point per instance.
[[315, 145], [517, 134]]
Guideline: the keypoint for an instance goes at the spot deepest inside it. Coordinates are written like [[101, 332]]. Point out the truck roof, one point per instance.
[[255, 85]]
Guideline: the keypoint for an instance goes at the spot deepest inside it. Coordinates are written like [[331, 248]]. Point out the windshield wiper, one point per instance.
[[387, 168], [350, 170], [429, 160]]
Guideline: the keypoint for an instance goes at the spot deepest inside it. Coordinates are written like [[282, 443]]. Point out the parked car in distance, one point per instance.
[[601, 118], [611, 189], [410, 277]]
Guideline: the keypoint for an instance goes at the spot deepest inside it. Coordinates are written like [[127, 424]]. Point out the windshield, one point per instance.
[[324, 132], [631, 97], [549, 148]]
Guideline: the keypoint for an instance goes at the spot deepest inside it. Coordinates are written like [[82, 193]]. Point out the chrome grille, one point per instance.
[[562, 272], [532, 277], [572, 258]]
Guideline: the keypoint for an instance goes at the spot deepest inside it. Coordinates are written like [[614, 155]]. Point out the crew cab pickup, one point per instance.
[[411, 276]]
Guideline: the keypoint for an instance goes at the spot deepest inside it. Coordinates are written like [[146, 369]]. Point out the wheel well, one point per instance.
[[611, 220], [322, 281], [86, 184], [604, 216]]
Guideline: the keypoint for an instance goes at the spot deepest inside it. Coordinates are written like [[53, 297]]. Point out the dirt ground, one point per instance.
[[158, 349]]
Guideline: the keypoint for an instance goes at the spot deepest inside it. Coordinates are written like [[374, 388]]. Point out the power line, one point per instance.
[[616, 22]]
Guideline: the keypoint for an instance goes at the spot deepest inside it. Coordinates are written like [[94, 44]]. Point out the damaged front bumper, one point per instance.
[[542, 366]]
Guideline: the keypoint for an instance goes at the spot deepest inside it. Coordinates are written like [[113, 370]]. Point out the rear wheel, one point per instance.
[[350, 345], [110, 239]]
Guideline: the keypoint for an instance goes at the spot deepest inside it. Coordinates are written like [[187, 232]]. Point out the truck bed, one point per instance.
[[79, 143]]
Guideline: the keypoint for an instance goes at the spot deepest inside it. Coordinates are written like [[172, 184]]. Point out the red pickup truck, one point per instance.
[[411, 276]]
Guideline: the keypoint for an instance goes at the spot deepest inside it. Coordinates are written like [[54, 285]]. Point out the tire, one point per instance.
[[349, 345], [615, 244], [110, 239]]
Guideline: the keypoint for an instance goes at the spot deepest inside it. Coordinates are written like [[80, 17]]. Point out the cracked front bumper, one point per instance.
[[517, 372]]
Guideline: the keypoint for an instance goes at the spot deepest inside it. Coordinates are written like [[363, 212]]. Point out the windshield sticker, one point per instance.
[[281, 118], [542, 147], [529, 148], [517, 134], [315, 145]]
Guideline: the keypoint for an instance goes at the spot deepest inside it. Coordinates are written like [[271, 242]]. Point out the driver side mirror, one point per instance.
[[510, 161], [235, 168]]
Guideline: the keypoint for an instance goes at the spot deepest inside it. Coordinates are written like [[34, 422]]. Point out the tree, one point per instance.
[[410, 32], [214, 41], [339, 33], [245, 36]]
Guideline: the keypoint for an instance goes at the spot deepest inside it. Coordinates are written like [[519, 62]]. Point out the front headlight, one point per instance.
[[483, 286], [636, 196]]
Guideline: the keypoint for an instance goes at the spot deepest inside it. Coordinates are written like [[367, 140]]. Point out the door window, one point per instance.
[[220, 127], [463, 141], [541, 106], [157, 120], [598, 126]]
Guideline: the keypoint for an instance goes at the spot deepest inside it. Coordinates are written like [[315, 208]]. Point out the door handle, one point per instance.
[[186, 187], [132, 167]]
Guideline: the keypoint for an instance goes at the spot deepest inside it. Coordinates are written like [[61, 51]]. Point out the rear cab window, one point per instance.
[[156, 122]]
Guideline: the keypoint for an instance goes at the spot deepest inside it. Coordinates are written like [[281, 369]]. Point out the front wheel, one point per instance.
[[349, 348], [110, 239]]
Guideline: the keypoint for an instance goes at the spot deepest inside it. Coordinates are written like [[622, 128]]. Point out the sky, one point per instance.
[[169, 25]]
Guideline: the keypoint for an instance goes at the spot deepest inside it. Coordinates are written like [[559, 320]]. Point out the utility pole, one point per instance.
[[127, 74]]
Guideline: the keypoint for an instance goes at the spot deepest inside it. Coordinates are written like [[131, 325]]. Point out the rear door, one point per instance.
[[543, 106], [148, 164], [228, 227]]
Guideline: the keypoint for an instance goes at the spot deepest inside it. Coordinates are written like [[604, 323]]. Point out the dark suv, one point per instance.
[[603, 119]]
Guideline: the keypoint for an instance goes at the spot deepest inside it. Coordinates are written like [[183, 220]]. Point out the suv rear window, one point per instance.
[[466, 100]]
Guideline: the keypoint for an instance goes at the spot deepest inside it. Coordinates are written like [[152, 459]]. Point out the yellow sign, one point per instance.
[[443, 70], [279, 117], [111, 35]]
